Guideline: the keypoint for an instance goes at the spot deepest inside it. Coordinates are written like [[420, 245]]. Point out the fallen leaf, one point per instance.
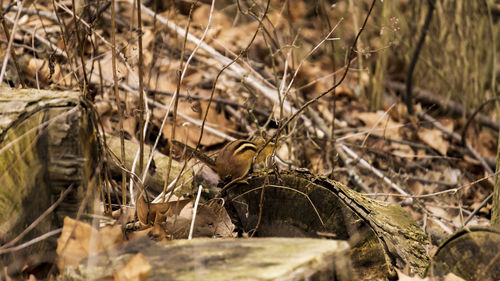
[[211, 220], [78, 240], [191, 133], [434, 138], [153, 213], [136, 269], [402, 150], [379, 123]]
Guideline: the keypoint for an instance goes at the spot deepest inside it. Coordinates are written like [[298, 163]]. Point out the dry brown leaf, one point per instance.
[[191, 133], [79, 240], [448, 123], [166, 83], [107, 69], [237, 37], [486, 144], [434, 138], [343, 91], [449, 175], [136, 269], [416, 187], [130, 126], [38, 68], [452, 277], [154, 213], [379, 123], [469, 160], [439, 212], [400, 112], [308, 76], [37, 22], [297, 11], [402, 150], [211, 221], [127, 215], [107, 124], [103, 107], [139, 233], [219, 21]]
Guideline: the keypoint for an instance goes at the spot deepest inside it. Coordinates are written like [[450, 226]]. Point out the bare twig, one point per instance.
[[349, 60], [195, 209], [38, 220], [457, 137], [450, 107], [471, 117], [12, 53], [236, 69], [31, 242], [11, 39], [414, 60], [217, 100], [175, 98], [142, 106], [476, 210], [374, 170], [118, 102], [213, 92], [40, 38]]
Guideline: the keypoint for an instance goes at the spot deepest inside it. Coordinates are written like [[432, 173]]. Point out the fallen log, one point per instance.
[[382, 236]]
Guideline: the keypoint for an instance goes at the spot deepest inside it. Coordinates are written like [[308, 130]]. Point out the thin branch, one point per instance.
[[374, 170], [476, 210], [349, 60], [344, 75], [142, 106], [195, 209], [38, 220], [11, 40], [414, 60], [118, 101], [175, 98], [31, 242], [12, 53], [471, 117], [236, 69]]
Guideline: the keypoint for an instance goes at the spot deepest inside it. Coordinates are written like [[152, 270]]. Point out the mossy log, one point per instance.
[[47, 144], [298, 204], [225, 259], [157, 172]]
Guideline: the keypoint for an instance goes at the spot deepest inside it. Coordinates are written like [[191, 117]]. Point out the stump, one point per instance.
[[47, 144]]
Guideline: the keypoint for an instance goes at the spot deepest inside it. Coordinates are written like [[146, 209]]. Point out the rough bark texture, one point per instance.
[[46, 145], [158, 169], [472, 254]]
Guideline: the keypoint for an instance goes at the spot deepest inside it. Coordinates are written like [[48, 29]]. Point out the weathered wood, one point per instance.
[[46, 145], [472, 254], [227, 259], [157, 172], [298, 204]]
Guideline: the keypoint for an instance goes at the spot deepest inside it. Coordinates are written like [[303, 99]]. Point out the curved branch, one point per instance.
[[413, 63]]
